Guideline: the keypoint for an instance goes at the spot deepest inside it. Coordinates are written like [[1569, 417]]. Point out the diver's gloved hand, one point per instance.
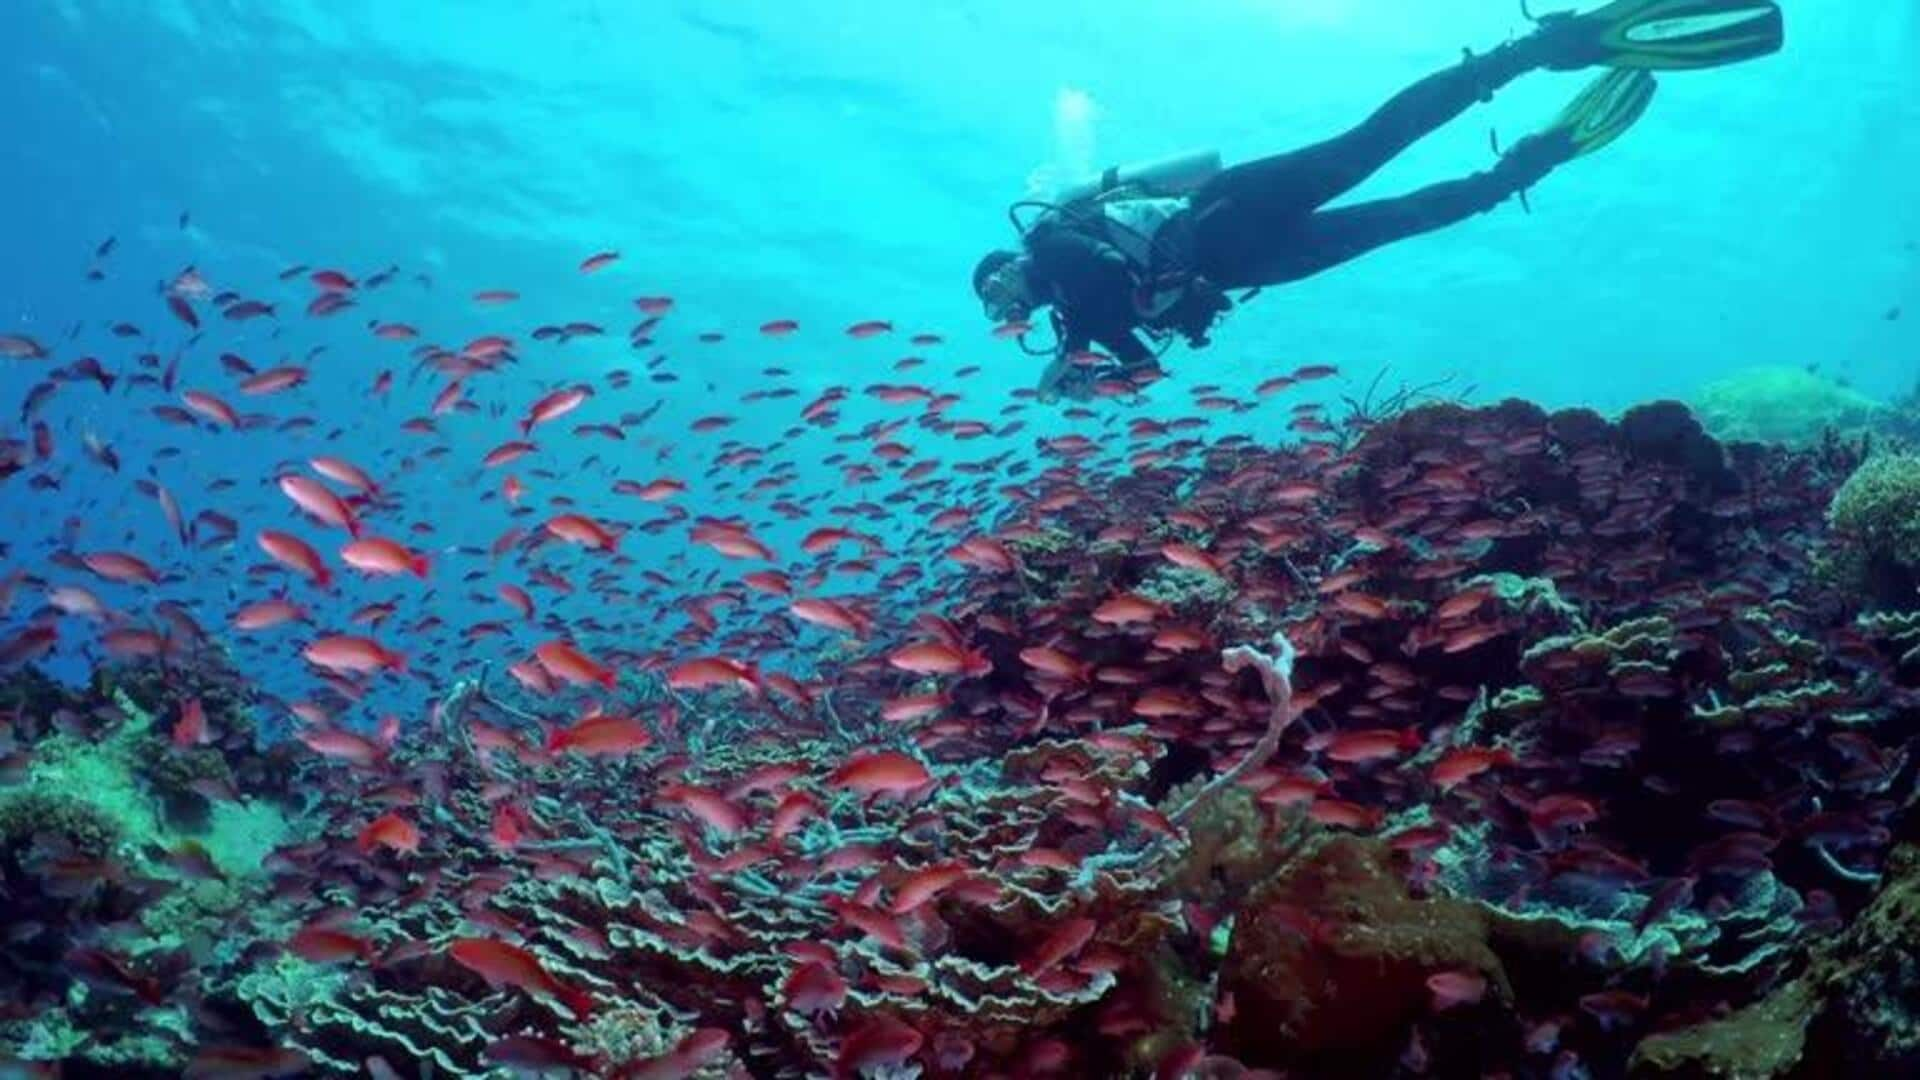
[[1064, 378], [1076, 385]]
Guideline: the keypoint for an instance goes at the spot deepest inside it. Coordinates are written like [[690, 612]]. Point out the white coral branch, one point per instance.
[[1276, 676]]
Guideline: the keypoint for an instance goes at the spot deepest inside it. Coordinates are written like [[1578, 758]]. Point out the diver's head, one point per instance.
[[1000, 281]]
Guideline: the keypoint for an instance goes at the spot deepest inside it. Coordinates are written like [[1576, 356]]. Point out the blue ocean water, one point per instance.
[[833, 162]]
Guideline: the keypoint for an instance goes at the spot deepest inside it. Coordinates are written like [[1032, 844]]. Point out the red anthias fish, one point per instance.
[[501, 965]]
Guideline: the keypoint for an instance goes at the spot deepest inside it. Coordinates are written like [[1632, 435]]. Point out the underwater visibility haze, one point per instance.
[[1241, 538]]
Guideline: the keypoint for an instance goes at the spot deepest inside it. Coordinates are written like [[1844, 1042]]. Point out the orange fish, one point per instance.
[[565, 662], [1361, 605], [517, 596], [1376, 744], [392, 831], [720, 813], [317, 501], [344, 652], [375, 555], [1124, 608], [320, 944], [655, 491], [297, 554], [273, 380], [597, 736], [553, 406], [211, 407], [731, 541], [925, 884], [1458, 766], [939, 658], [1456, 988], [121, 567], [1065, 940], [345, 472], [880, 771], [507, 451], [191, 729], [711, 671], [501, 964], [1053, 662], [830, 614], [1462, 603], [583, 530], [345, 745]]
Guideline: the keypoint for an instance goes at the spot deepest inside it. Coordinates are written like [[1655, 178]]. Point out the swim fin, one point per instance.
[[1664, 35], [1605, 109]]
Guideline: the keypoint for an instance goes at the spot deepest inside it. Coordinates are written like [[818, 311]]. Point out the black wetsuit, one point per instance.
[[1263, 222]]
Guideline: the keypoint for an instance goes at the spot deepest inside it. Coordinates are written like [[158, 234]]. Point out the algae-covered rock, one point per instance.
[[1784, 405], [1330, 958], [1764, 1040], [1854, 1010]]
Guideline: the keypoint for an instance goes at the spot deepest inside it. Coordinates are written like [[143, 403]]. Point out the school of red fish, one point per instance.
[[824, 746]]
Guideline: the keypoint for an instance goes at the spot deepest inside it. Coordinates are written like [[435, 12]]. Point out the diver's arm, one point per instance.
[[1058, 376], [1091, 288], [1088, 281]]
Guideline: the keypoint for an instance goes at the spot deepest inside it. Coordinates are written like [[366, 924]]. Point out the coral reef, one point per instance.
[[1785, 406], [1470, 742]]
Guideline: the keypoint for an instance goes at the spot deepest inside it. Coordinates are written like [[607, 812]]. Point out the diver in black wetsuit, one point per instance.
[[1127, 259]]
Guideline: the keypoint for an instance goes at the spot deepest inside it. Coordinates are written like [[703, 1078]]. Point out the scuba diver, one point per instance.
[[1152, 249]]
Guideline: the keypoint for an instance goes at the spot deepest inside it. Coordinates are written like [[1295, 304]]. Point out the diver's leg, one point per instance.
[[1237, 215], [1305, 179], [1327, 238]]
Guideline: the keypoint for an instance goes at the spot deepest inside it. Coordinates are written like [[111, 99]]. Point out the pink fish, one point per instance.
[[323, 505], [565, 662], [880, 772], [377, 555], [296, 554], [346, 653]]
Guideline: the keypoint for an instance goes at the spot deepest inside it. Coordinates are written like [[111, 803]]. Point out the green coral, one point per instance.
[[92, 1030], [37, 811], [1900, 629], [51, 1036], [1784, 405], [1528, 595], [99, 775], [1876, 516], [241, 833], [1048, 541], [1184, 590], [627, 1034]]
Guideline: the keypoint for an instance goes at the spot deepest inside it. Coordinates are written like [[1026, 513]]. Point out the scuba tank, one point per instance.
[[1130, 202], [1172, 176]]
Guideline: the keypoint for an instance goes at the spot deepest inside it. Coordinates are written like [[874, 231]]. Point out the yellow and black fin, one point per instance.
[[1676, 35], [1605, 109]]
